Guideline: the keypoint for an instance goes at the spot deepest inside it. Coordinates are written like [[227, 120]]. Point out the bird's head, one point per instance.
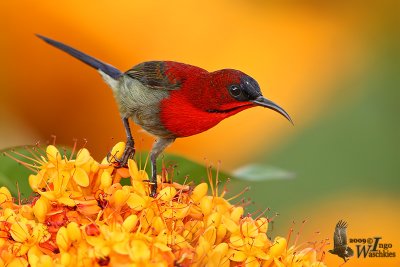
[[207, 98], [231, 91]]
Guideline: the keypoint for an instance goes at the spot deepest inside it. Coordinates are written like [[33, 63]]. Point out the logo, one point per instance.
[[373, 247]]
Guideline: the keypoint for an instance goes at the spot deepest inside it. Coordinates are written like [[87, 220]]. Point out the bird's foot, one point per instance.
[[153, 188], [153, 192], [122, 162]]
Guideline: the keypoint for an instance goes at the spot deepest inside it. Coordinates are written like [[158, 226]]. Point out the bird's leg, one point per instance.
[[157, 149], [129, 151], [153, 176]]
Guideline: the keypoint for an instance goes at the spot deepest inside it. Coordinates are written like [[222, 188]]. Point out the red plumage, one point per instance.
[[186, 111]]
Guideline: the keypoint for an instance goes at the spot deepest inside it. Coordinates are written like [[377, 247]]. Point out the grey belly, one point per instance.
[[148, 118], [142, 105]]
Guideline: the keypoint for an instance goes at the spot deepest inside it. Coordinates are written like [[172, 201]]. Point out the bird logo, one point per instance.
[[170, 100], [340, 247]]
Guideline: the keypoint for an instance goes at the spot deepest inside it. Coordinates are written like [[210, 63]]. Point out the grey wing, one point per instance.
[[152, 74], [340, 235]]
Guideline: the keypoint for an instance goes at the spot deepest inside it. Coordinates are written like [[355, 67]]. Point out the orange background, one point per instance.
[[292, 52], [298, 51]]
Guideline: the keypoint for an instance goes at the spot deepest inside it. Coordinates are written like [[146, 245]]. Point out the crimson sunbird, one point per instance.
[[171, 100]]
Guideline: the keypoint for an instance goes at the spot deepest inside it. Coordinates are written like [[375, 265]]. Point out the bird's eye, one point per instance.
[[234, 90]]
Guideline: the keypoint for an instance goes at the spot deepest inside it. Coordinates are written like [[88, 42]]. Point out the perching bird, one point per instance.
[[171, 100], [340, 247]]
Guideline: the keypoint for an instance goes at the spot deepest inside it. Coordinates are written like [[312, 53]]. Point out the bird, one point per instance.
[[172, 100], [340, 247]]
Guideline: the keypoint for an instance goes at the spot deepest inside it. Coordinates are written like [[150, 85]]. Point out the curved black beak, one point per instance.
[[262, 101]]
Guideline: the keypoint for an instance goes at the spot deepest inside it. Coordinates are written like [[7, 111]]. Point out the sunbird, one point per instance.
[[171, 100]]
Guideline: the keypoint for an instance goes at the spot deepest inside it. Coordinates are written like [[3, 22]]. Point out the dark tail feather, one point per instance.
[[91, 61]]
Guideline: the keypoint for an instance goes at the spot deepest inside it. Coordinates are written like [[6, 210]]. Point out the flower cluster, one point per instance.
[[81, 215]]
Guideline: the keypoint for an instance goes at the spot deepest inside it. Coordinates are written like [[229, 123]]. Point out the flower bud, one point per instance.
[[237, 213], [74, 233], [53, 154], [117, 151], [105, 180], [5, 195], [278, 247], [199, 192], [206, 205], [130, 223], [82, 157], [41, 208], [62, 239], [80, 177]]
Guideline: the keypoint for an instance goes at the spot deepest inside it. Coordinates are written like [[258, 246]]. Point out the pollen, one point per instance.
[[81, 215]]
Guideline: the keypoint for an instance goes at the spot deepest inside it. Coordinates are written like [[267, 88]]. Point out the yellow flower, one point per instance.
[[82, 216], [25, 234], [5, 197]]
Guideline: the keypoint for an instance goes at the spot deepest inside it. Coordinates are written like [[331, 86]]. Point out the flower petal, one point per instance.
[[278, 247], [53, 154], [237, 256], [199, 192], [81, 177], [19, 232], [82, 157]]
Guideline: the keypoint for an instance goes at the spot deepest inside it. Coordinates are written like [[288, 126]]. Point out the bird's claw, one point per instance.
[[153, 192], [129, 152], [153, 188]]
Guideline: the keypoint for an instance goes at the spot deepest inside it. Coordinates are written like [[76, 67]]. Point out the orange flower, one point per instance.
[[83, 216]]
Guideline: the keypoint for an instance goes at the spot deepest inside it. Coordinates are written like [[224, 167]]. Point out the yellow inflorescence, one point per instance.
[[83, 216]]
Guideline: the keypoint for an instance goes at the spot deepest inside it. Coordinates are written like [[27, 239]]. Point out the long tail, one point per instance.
[[91, 61]]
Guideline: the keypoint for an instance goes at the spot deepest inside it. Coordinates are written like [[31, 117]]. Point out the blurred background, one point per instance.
[[333, 65]]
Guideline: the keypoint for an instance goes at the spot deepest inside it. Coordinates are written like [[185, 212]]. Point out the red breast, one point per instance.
[[202, 101]]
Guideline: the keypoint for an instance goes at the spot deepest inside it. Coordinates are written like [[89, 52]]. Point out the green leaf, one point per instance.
[[14, 175]]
